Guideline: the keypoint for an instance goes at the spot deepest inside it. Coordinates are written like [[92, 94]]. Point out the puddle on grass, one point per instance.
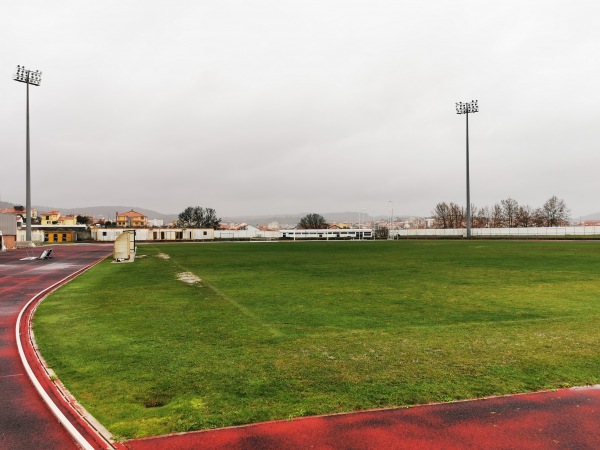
[[188, 277]]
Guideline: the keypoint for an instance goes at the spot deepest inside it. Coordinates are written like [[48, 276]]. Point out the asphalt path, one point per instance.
[[26, 422]]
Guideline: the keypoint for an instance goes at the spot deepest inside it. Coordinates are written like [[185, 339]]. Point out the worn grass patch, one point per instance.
[[279, 330]]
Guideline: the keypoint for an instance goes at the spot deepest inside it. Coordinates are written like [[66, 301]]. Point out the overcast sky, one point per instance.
[[274, 106]]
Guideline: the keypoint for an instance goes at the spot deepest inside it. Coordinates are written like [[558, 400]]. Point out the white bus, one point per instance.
[[351, 233]]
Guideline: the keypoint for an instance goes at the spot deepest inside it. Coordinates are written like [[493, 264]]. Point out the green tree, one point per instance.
[[198, 217], [381, 231], [84, 220], [313, 222]]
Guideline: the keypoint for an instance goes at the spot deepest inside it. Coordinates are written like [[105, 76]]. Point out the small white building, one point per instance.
[[155, 223], [155, 234]]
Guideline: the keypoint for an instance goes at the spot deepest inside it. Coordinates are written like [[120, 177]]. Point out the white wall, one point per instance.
[[36, 235], [250, 233], [537, 232], [149, 234]]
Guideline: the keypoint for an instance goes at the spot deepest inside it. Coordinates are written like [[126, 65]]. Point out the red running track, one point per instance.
[[26, 422], [562, 419]]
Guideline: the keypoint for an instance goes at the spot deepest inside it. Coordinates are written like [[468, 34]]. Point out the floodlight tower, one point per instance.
[[466, 109], [28, 77]]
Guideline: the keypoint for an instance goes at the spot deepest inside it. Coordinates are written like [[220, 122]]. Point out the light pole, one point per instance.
[[361, 225], [391, 219], [466, 109], [28, 77]]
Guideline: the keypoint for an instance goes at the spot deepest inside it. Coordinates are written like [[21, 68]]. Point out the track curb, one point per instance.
[[78, 423]]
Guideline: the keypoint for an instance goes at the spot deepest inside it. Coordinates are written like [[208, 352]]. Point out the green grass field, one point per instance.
[[280, 330]]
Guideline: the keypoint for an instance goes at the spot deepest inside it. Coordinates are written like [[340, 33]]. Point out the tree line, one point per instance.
[[506, 214]]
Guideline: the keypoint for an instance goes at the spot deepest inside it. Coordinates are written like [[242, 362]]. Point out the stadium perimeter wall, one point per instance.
[[531, 232]]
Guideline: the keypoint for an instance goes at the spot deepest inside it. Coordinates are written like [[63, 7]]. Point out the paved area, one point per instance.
[[26, 422], [562, 419]]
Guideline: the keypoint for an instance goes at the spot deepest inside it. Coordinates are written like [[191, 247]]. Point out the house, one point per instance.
[[19, 211], [50, 217], [68, 220], [56, 218], [131, 219], [8, 231]]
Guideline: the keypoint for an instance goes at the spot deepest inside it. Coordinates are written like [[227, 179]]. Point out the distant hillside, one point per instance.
[[6, 205], [595, 216], [292, 219]]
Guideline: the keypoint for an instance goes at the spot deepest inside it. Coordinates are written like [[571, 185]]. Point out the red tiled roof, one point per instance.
[[11, 211], [131, 213]]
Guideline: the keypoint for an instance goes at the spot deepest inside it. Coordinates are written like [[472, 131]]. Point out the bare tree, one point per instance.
[[555, 212], [524, 216], [441, 215], [458, 217], [496, 216], [538, 218], [449, 215], [509, 211], [481, 218], [474, 214]]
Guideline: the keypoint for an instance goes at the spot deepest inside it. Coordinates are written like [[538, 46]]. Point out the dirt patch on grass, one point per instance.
[[163, 256]]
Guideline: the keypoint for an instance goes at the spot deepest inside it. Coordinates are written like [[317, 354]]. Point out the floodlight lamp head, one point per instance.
[[28, 76], [467, 107]]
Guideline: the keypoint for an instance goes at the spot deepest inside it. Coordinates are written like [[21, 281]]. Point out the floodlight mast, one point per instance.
[[466, 109], [28, 77]]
